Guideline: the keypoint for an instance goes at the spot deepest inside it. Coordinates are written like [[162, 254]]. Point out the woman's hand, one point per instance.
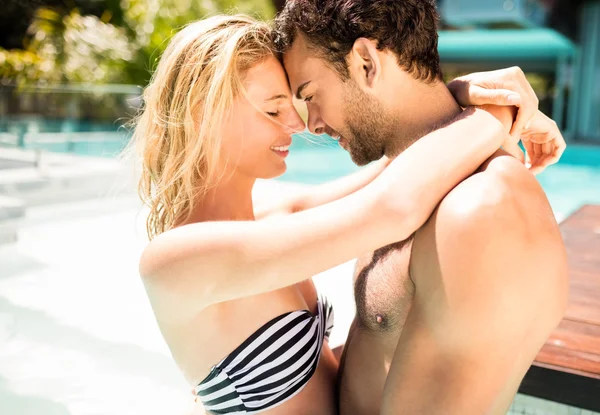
[[541, 138], [506, 115], [509, 87], [543, 141], [504, 87]]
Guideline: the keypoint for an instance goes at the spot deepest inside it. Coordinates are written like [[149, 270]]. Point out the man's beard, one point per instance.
[[372, 131]]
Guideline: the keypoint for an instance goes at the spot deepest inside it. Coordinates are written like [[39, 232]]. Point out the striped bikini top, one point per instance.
[[269, 367]]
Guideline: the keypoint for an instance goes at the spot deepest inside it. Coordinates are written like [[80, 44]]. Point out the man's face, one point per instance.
[[338, 107]]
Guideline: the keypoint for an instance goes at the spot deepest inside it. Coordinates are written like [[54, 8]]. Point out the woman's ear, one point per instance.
[[364, 63]]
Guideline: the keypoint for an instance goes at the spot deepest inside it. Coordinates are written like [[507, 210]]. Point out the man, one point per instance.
[[449, 321]]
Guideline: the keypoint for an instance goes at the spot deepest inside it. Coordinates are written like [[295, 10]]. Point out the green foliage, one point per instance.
[[121, 46]]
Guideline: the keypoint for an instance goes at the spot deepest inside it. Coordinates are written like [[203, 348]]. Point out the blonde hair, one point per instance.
[[177, 134]]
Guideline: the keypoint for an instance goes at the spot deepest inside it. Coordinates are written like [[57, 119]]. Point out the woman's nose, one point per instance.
[[295, 123]]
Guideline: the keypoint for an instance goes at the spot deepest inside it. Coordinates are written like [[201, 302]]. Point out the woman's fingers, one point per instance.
[[529, 152], [546, 155], [537, 165], [527, 112], [559, 141], [501, 97], [549, 144], [534, 151], [556, 154], [548, 148], [502, 87], [541, 137], [537, 137], [515, 80]]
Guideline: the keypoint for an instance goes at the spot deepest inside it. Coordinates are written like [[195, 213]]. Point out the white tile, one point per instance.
[[562, 410]]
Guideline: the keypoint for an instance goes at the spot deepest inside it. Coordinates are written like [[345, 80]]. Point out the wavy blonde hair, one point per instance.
[[177, 133]]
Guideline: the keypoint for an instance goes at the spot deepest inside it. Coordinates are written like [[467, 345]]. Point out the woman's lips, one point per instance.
[[281, 151], [283, 154]]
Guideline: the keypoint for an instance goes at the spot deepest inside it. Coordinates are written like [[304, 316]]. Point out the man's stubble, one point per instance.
[[373, 130]]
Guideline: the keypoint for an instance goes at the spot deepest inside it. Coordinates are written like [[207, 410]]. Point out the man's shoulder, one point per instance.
[[490, 269], [501, 193], [498, 222]]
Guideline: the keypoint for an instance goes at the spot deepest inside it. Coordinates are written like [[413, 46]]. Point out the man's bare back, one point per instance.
[[424, 305]]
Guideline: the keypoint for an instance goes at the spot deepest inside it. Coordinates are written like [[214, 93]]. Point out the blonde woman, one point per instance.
[[229, 282]]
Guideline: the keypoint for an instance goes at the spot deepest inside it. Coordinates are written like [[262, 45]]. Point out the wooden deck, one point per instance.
[[567, 369]]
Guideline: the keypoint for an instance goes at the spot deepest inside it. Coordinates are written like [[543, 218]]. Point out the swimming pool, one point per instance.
[[64, 135], [569, 184]]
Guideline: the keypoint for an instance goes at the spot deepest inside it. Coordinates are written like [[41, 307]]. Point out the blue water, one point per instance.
[[71, 136], [571, 183]]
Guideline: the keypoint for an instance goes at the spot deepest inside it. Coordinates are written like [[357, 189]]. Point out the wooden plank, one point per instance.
[[576, 336], [583, 310], [572, 359], [567, 368], [581, 233]]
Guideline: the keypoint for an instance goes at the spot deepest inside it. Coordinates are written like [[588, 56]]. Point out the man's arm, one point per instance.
[[490, 273]]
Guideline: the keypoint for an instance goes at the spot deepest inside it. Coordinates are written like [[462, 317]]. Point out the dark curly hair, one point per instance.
[[406, 27]]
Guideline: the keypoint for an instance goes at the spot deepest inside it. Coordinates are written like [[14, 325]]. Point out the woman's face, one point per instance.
[[258, 133]]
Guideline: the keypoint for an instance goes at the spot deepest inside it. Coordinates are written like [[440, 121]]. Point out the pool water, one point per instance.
[[573, 182], [64, 135]]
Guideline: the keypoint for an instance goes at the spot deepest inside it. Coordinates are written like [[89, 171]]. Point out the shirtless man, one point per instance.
[[448, 321]]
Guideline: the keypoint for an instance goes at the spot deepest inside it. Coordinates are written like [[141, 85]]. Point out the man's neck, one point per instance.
[[434, 108]]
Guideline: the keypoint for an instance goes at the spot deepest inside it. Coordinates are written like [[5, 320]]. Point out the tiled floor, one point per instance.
[[534, 406]]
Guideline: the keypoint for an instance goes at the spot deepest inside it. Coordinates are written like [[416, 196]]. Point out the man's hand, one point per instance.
[[543, 141], [504, 87]]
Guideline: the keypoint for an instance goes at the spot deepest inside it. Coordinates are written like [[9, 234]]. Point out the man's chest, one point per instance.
[[383, 289]]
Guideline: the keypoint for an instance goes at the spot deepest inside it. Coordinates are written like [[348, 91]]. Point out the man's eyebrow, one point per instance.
[[300, 89], [275, 97]]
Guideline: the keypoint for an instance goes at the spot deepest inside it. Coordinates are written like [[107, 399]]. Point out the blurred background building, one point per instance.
[[555, 41], [79, 64]]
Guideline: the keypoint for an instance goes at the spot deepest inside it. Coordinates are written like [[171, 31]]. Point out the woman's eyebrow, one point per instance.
[[278, 96]]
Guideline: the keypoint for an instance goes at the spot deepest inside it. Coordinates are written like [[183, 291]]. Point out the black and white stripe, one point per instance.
[[271, 366]]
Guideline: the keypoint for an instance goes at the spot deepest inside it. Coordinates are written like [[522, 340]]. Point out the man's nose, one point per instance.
[[316, 125]]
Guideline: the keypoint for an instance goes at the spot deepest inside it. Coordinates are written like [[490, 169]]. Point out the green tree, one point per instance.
[[121, 46]]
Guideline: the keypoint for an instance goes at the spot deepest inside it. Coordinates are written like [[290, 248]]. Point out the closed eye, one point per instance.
[[273, 114], [308, 99]]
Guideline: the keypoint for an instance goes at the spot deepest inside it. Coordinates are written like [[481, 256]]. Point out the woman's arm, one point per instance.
[[506, 87], [313, 196], [211, 262]]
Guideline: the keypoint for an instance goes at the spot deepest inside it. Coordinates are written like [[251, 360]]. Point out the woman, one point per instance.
[[233, 294]]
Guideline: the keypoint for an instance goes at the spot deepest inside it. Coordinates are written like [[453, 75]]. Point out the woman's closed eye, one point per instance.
[[308, 99], [273, 114]]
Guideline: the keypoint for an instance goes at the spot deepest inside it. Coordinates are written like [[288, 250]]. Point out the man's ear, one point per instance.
[[364, 63]]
